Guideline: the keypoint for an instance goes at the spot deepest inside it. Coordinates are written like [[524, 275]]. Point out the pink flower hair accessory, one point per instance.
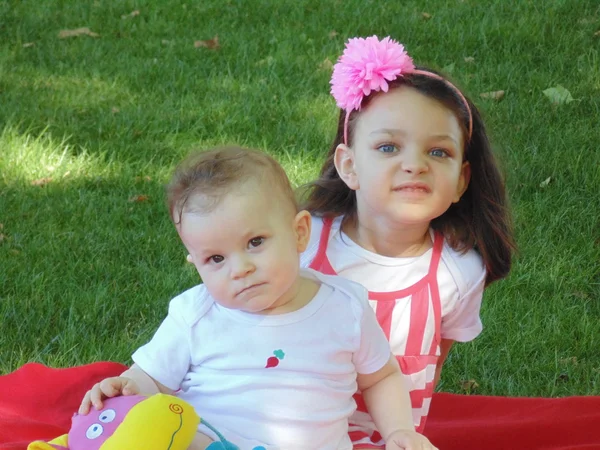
[[366, 66]]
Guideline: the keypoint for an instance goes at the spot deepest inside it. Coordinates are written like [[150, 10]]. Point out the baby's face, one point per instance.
[[247, 249]]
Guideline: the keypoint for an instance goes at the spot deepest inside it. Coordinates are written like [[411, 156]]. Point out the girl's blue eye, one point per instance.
[[438, 152], [255, 242], [387, 148], [216, 259]]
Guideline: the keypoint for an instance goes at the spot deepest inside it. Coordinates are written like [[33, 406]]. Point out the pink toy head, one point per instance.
[[89, 432]]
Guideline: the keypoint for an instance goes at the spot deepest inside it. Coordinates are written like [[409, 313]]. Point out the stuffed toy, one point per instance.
[[158, 422]]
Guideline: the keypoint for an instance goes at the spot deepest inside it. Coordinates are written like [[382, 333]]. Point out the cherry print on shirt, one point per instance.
[[273, 361]]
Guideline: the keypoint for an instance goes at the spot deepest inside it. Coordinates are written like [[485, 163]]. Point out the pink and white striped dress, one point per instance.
[[416, 349]]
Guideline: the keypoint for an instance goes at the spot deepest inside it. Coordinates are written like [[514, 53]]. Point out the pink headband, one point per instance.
[[367, 65]]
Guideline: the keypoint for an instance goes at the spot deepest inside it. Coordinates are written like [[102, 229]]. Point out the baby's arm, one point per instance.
[[133, 381], [388, 402], [387, 398]]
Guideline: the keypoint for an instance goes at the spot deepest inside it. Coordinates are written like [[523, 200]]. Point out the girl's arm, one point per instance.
[[134, 381], [145, 382], [388, 403], [387, 398], [445, 346]]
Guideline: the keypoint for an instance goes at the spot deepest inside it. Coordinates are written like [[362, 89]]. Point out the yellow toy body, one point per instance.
[[158, 422]]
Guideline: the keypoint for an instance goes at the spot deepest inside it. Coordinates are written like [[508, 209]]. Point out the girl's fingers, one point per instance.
[[84, 408], [112, 387], [107, 388], [130, 388], [96, 396]]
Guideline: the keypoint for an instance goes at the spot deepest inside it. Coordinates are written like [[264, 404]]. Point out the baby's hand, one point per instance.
[[109, 387], [408, 440]]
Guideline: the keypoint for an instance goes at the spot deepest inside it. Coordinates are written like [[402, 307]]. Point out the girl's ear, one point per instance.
[[463, 181], [344, 164], [302, 223]]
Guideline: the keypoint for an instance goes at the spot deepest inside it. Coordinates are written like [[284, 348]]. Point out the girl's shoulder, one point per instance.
[[190, 306], [465, 267]]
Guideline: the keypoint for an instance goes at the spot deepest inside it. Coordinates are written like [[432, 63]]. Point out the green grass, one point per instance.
[[86, 274]]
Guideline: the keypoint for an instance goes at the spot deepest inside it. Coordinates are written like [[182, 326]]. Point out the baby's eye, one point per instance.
[[255, 242], [438, 152], [217, 259], [387, 148]]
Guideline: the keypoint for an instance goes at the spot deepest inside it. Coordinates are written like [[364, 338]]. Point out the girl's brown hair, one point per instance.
[[212, 174], [480, 220]]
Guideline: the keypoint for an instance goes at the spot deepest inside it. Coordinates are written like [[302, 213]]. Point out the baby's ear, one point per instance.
[[344, 164], [302, 223]]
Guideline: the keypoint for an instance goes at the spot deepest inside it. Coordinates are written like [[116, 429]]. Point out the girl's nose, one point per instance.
[[413, 161], [241, 267]]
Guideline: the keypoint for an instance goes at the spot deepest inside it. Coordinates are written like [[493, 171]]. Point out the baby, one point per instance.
[[268, 353]]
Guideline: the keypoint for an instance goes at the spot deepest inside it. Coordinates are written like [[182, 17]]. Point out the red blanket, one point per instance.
[[37, 402]]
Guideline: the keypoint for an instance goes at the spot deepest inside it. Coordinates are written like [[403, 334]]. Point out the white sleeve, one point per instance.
[[463, 323], [374, 349], [167, 357]]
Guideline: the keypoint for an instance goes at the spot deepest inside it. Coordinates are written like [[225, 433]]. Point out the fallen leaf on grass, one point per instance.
[[469, 385], [15, 252], [469, 59], [1, 226], [546, 182], [211, 43], [426, 15], [571, 360], [131, 14], [115, 110], [85, 31], [138, 199], [597, 33], [558, 95], [266, 61], [2, 237], [332, 34], [449, 69], [494, 95], [563, 377], [326, 65], [28, 44], [41, 181]]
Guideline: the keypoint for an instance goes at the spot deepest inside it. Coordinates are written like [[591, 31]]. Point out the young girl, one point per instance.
[[271, 355], [411, 205]]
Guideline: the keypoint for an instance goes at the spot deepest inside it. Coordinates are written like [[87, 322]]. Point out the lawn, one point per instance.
[[92, 125]]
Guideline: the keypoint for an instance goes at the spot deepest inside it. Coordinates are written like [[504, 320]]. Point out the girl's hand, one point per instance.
[[408, 440], [109, 387]]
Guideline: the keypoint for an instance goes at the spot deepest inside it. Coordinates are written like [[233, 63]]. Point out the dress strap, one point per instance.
[[324, 238], [438, 245], [320, 262]]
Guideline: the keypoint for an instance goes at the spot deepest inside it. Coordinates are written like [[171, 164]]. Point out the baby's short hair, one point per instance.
[[214, 173]]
